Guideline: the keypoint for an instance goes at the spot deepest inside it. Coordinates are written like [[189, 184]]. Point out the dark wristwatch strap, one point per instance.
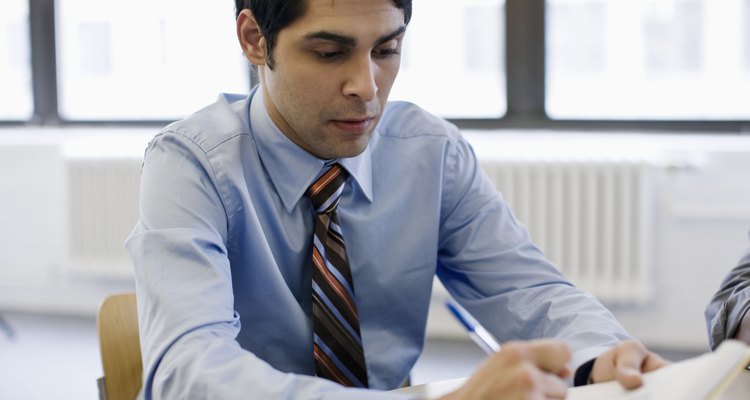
[[583, 373]]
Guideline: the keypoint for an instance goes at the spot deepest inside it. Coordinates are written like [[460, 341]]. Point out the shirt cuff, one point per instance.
[[583, 373]]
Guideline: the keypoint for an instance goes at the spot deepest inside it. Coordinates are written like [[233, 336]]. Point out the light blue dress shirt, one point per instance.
[[225, 233]]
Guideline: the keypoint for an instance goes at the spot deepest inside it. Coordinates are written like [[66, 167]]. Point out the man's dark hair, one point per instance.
[[274, 15]]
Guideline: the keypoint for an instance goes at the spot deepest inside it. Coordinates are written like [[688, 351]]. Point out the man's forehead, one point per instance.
[[349, 8]]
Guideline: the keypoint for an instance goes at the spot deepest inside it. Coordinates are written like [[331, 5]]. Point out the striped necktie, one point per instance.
[[337, 342]]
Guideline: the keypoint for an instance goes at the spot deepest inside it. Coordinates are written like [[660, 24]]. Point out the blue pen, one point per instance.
[[481, 336]]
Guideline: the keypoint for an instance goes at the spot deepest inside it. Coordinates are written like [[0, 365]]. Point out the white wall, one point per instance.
[[36, 273], [702, 216]]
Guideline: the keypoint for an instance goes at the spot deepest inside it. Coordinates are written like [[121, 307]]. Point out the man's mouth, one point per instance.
[[354, 125]]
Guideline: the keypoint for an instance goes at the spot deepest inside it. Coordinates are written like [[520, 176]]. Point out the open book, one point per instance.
[[712, 376], [718, 375]]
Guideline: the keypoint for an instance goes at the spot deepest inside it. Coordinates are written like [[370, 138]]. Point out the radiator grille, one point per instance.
[[591, 217], [103, 208]]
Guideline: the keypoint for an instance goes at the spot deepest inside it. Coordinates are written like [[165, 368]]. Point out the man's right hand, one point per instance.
[[521, 370]]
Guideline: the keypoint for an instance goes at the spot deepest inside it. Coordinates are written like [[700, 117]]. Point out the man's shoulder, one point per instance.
[[403, 119], [214, 124]]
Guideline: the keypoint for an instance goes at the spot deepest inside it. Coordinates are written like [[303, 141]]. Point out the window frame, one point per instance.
[[525, 75]]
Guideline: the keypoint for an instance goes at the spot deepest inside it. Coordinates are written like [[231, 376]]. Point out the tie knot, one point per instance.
[[324, 192]]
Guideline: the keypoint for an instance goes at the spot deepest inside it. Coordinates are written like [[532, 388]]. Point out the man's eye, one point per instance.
[[329, 55], [385, 53]]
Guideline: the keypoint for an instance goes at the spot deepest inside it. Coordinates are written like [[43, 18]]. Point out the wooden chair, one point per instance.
[[117, 324]]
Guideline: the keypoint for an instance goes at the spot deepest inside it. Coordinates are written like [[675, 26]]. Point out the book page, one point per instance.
[[739, 388]]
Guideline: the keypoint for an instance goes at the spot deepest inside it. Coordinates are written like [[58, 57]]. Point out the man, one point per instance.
[[726, 314], [318, 216]]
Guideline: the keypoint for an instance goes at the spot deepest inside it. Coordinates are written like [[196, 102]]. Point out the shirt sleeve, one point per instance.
[[187, 321], [488, 262], [730, 303]]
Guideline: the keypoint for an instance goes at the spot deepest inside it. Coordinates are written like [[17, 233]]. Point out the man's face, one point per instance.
[[332, 73]]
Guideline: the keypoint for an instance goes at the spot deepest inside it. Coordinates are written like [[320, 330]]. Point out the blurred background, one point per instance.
[[616, 129]]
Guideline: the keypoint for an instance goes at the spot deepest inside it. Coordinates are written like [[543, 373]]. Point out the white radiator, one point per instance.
[[591, 217], [102, 210]]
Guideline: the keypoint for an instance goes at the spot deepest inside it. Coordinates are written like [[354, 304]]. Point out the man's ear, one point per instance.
[[251, 38]]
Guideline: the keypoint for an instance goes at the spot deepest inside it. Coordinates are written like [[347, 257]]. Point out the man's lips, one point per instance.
[[354, 125]]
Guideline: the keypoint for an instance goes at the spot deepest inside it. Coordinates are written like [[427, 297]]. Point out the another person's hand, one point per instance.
[[626, 363], [521, 370], [743, 332]]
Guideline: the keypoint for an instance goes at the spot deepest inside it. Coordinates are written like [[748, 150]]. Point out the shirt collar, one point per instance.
[[291, 169]]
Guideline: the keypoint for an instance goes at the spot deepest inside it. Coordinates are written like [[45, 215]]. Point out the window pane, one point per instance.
[[145, 59], [648, 59], [453, 58], [15, 61]]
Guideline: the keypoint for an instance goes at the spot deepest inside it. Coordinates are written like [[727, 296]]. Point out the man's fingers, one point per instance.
[[653, 362], [554, 387], [528, 369], [550, 356], [630, 360], [628, 377]]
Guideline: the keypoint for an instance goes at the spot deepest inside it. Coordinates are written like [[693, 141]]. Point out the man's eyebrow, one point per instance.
[[332, 37], [391, 35], [350, 41]]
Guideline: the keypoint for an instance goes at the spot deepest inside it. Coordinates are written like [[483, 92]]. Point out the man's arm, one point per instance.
[[490, 265], [743, 332], [726, 314]]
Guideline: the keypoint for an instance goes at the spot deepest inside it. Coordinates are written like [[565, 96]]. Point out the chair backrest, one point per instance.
[[117, 324]]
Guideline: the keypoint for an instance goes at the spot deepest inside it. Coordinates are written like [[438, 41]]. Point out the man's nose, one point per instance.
[[360, 79]]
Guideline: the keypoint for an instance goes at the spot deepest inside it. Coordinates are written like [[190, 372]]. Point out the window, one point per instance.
[[452, 59], [118, 62], [647, 59], [15, 61], [485, 64]]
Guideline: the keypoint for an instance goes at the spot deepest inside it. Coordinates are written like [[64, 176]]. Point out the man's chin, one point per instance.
[[349, 149], [351, 152]]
